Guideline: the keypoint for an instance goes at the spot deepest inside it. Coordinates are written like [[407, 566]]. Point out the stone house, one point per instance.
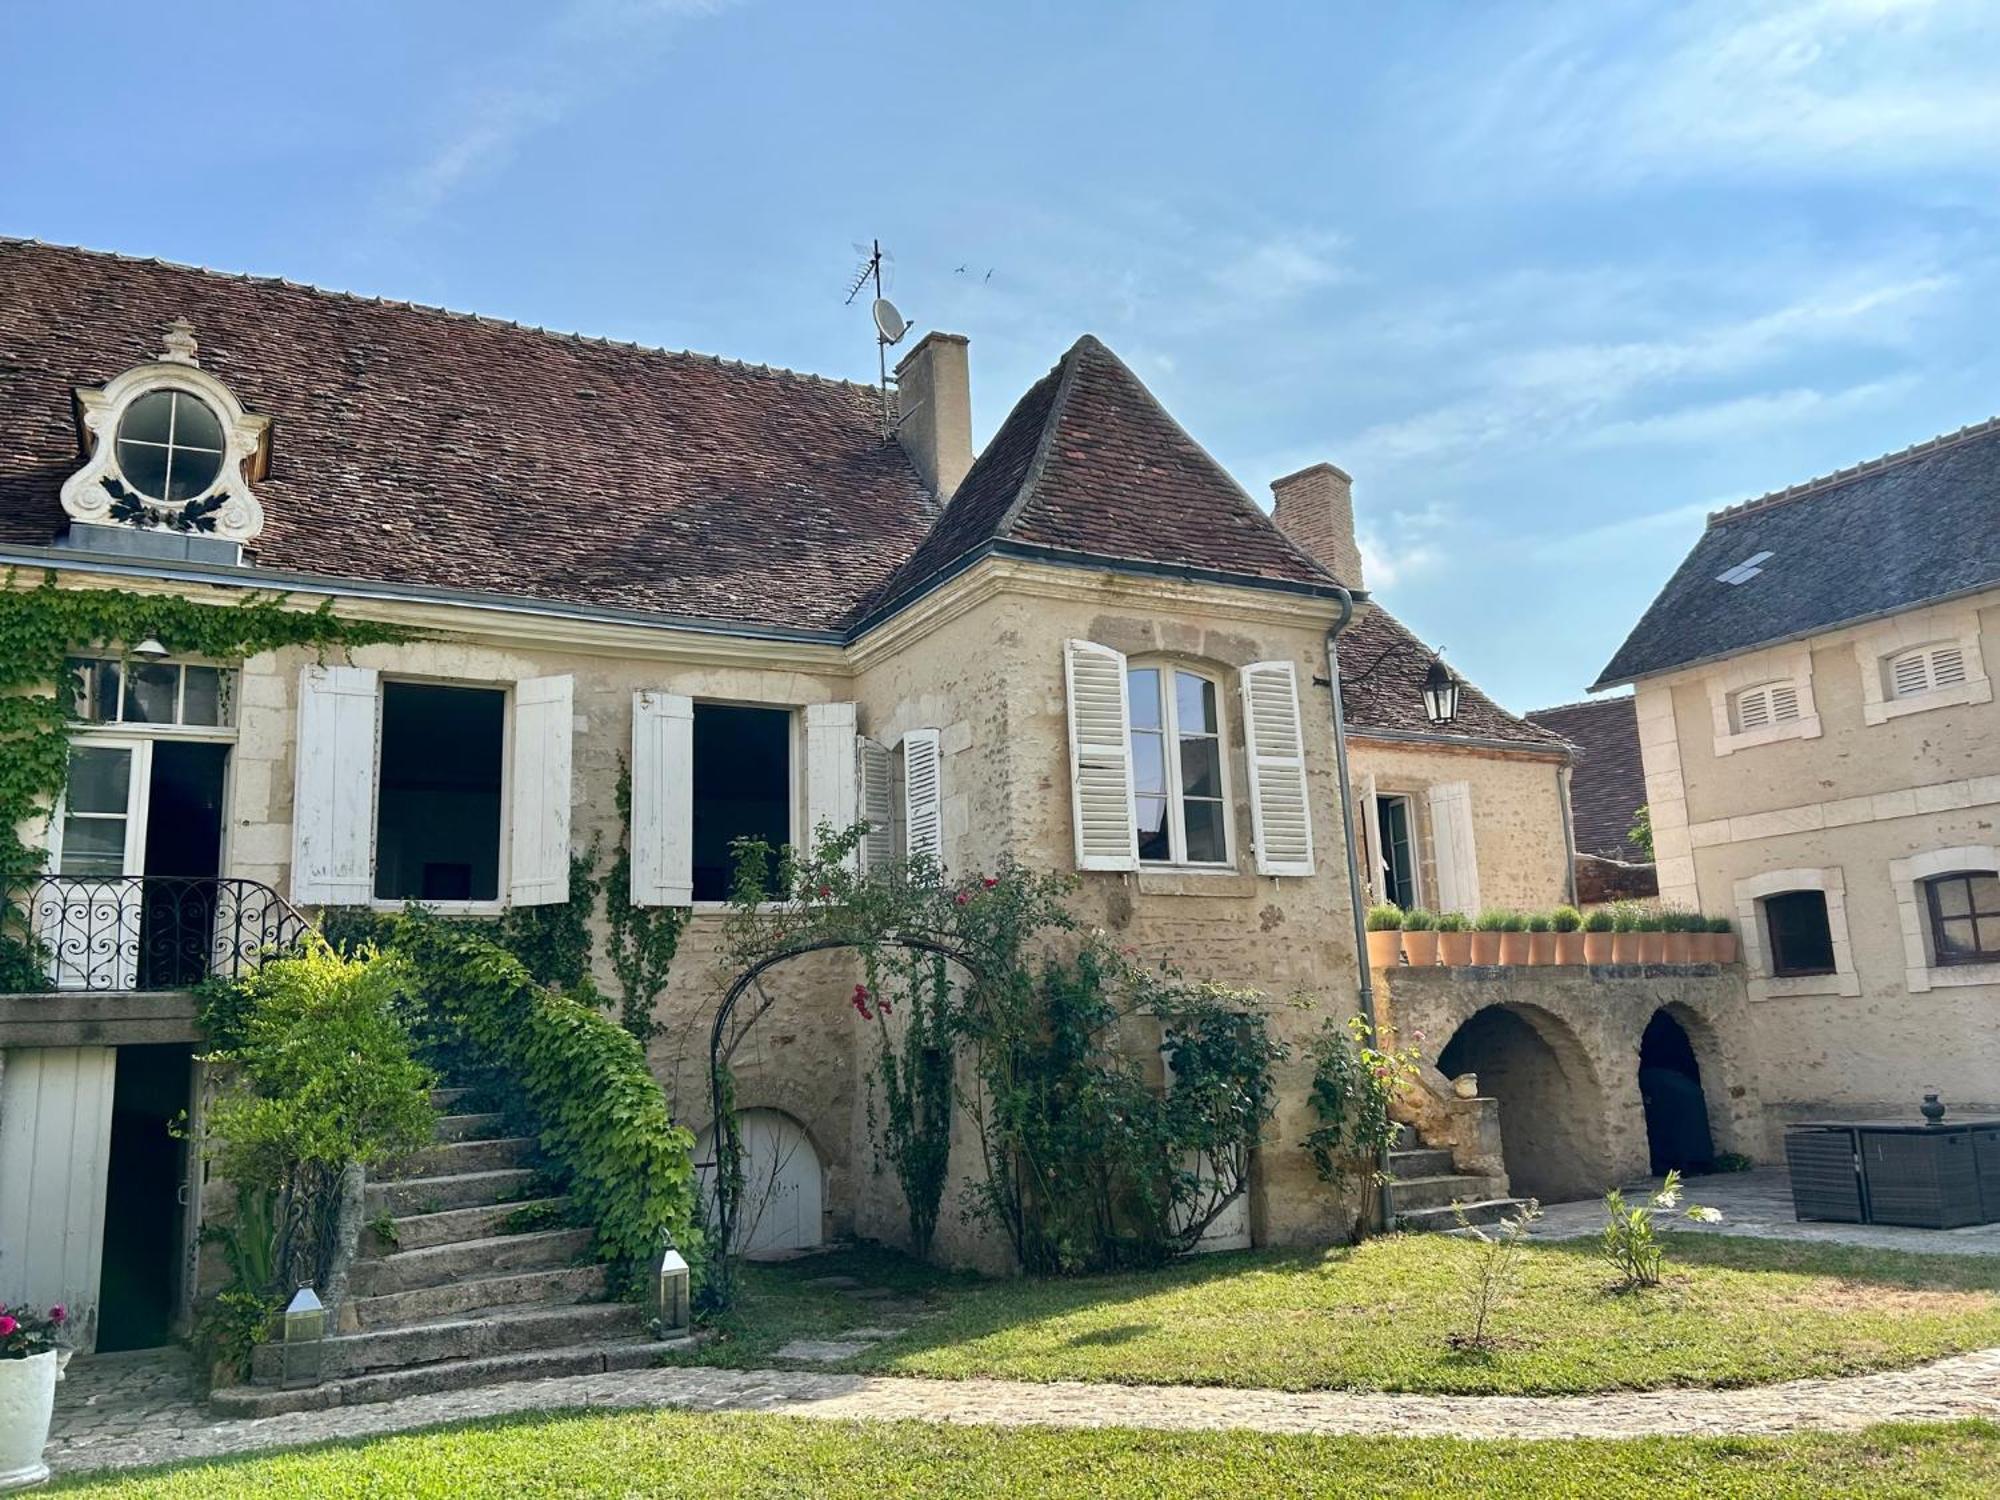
[[1607, 794], [773, 600], [1822, 759]]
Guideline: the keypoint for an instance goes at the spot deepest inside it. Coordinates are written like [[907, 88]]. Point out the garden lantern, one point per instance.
[[670, 1290], [305, 1339]]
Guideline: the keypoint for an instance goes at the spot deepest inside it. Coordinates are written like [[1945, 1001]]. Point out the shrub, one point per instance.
[[1650, 921], [1494, 1266], [1539, 921], [1631, 1242], [1451, 921], [1566, 919], [1624, 917], [1600, 919], [1513, 921], [1416, 919], [25, 1331], [1491, 920], [1353, 1082], [1720, 924], [1385, 919]]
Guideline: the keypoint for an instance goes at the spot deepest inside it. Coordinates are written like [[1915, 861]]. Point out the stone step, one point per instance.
[[406, 1270], [1406, 1139], [430, 1195], [442, 1099], [456, 1158], [430, 1304], [1481, 1211], [1421, 1161], [447, 1375], [454, 1226], [1410, 1193], [512, 1331], [470, 1127]]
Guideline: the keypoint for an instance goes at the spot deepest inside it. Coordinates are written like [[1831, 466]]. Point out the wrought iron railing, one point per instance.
[[140, 932]]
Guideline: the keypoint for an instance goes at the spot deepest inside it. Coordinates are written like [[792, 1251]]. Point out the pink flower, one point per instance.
[[989, 881], [825, 892], [962, 897], [58, 1314], [7, 1326]]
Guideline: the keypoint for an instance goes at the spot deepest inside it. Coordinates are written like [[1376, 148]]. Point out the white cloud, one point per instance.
[[1284, 266], [1743, 417]]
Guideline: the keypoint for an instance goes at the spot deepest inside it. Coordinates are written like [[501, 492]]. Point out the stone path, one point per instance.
[[1964, 1386]]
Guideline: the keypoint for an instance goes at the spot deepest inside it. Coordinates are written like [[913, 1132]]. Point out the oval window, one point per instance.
[[170, 446]]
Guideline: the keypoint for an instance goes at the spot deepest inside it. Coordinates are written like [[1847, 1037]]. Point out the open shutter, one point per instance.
[[1452, 846], [1280, 815], [923, 796], [662, 831], [875, 784], [333, 797], [538, 804], [830, 791], [1100, 758], [1375, 867]]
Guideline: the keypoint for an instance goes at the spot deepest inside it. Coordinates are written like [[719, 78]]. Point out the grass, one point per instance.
[[1378, 1316], [663, 1453]]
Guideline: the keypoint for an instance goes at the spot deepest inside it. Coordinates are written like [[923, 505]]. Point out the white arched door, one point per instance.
[[783, 1183]]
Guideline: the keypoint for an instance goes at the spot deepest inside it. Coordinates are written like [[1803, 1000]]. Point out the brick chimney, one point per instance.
[[1316, 510], [934, 410]]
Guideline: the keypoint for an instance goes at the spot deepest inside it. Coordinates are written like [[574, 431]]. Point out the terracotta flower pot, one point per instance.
[[1486, 948], [1625, 947], [1384, 948], [1514, 948], [1725, 946], [1542, 947], [1683, 947], [1652, 947], [1420, 949], [1571, 947], [1598, 947], [1455, 949]]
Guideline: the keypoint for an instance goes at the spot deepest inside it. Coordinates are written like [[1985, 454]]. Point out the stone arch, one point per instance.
[[1672, 1094], [1552, 1102]]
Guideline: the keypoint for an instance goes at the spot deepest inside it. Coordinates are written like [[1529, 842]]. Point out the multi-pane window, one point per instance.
[[97, 810], [1965, 917], [1801, 936], [1396, 839], [170, 446], [151, 692], [1177, 767], [1764, 705], [1925, 669]]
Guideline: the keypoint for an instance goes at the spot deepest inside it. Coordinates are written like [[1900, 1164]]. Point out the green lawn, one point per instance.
[[1379, 1316], [661, 1453]]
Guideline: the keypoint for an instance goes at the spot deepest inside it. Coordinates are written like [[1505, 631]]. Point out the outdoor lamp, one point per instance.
[[305, 1339], [1440, 693], [670, 1290], [150, 648]]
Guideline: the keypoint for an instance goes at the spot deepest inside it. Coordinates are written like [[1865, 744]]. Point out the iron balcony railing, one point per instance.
[[140, 932]]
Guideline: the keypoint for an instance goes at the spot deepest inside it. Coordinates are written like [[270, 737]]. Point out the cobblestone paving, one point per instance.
[[125, 1431]]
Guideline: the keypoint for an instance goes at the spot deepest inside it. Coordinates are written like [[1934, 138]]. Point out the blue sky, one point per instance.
[[1551, 281]]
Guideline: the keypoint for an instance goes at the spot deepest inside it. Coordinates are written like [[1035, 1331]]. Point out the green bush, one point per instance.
[[1513, 921], [1720, 924], [1385, 919], [1451, 921], [1540, 921], [1416, 919], [1566, 919], [1492, 920], [1624, 917], [1650, 921], [1600, 919]]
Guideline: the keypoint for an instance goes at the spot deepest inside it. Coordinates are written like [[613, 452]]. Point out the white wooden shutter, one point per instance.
[[1100, 758], [662, 831], [923, 796], [875, 782], [1274, 742], [538, 801], [1925, 670], [830, 791], [1375, 864], [1453, 848], [333, 795]]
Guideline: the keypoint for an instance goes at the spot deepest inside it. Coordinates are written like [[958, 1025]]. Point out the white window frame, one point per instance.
[[1875, 648], [1831, 882], [1169, 732], [502, 883], [1921, 970], [795, 798], [1762, 670], [1412, 802]]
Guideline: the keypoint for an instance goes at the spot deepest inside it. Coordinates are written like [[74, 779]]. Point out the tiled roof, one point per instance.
[[416, 446], [1089, 462], [1608, 783], [1382, 667], [1887, 535]]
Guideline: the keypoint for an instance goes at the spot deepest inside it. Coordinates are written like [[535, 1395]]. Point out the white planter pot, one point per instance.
[[27, 1397]]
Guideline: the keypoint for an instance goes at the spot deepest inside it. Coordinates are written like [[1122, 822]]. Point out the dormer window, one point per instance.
[[170, 446], [1762, 706]]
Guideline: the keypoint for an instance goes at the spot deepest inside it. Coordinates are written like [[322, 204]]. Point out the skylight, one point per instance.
[[1744, 571]]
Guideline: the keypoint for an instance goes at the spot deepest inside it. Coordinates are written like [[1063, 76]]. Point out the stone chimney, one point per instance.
[[1316, 510], [934, 410]]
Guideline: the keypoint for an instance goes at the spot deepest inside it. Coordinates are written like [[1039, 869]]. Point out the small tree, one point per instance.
[[1631, 1242], [1494, 1267]]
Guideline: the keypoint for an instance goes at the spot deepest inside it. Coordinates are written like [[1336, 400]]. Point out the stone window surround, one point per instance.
[[1794, 665], [1908, 877], [1764, 985], [1926, 627]]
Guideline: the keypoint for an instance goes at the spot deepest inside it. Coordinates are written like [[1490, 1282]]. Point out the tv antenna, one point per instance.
[[890, 324]]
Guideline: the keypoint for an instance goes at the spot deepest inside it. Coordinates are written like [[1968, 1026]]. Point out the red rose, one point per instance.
[[990, 881], [825, 892], [7, 1326], [962, 897], [58, 1315]]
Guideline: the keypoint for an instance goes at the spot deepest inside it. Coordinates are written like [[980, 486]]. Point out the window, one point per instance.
[[1965, 917], [1927, 669], [438, 799], [1396, 840], [97, 810], [1801, 936], [151, 692], [742, 789], [1177, 767], [1762, 706], [170, 445]]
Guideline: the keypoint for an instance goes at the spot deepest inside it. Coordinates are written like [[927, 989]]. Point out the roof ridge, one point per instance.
[[1045, 439], [601, 340], [1597, 702], [1808, 487]]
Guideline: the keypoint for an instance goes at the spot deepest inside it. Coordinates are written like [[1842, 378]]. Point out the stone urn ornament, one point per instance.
[[1932, 1109], [1466, 1085]]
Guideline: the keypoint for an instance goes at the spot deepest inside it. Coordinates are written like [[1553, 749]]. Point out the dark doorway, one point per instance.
[[1550, 1104], [183, 841], [437, 828], [1676, 1109], [143, 1227], [742, 789]]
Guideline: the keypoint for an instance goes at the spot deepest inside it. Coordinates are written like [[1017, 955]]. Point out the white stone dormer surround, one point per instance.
[[1762, 983], [1952, 625], [1920, 972], [1791, 664]]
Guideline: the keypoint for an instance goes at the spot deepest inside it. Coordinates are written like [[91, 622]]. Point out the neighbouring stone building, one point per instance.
[[1822, 755], [1607, 796]]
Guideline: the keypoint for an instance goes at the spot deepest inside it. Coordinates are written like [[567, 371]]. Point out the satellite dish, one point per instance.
[[888, 322]]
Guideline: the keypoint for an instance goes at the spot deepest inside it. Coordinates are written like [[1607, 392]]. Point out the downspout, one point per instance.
[[1569, 833], [1354, 887]]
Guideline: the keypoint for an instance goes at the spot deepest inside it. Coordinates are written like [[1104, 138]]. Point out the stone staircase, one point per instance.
[[1423, 1185], [452, 1297]]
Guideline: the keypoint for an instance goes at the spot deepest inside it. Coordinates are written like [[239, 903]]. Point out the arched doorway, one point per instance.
[[1551, 1107], [1677, 1132], [783, 1184]]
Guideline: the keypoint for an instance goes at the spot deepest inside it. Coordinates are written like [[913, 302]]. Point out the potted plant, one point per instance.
[[1454, 942], [1541, 938], [1385, 936], [1567, 922], [1687, 942], [1513, 939], [1486, 929], [1652, 927], [1598, 938], [1625, 939], [1722, 940], [32, 1355], [1420, 939]]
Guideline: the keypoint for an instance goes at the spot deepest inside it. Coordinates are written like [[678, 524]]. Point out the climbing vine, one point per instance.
[[1355, 1075], [641, 940]]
